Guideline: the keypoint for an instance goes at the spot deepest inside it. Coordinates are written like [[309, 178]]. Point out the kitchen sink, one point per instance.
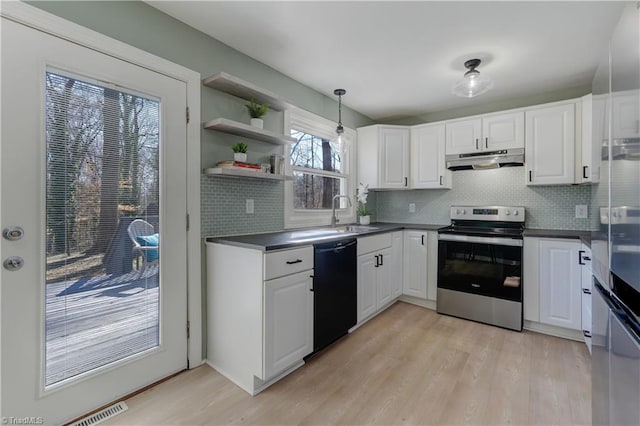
[[329, 232], [355, 228]]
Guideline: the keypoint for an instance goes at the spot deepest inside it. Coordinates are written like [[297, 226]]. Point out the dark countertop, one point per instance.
[[306, 236], [584, 236]]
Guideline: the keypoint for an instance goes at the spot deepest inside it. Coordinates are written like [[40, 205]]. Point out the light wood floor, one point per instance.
[[409, 365]]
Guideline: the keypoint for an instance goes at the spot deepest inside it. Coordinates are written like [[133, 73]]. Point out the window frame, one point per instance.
[[318, 126]]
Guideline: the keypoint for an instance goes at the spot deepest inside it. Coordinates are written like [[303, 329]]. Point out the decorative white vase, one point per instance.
[[240, 157], [365, 220], [257, 122]]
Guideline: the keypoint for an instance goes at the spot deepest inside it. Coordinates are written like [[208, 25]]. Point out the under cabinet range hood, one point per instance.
[[486, 160]]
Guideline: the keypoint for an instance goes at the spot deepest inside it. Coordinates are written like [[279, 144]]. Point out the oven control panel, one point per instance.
[[488, 213]]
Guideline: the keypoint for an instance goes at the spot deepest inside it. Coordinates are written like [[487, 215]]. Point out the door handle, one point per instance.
[[580, 253], [293, 262], [477, 143], [440, 180], [377, 261], [529, 175], [422, 239], [584, 172], [381, 259], [406, 181], [586, 333], [486, 142], [586, 291], [13, 263]]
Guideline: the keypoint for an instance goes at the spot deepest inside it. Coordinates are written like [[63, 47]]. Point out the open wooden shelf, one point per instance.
[[240, 129], [243, 89], [234, 172]]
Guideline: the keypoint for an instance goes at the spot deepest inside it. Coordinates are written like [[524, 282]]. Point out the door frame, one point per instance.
[[51, 24]]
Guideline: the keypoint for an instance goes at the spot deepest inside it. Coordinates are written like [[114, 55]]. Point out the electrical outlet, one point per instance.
[[581, 211], [249, 206], [412, 207]]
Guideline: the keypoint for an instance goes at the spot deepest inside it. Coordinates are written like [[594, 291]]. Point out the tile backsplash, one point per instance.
[[223, 205], [546, 206]]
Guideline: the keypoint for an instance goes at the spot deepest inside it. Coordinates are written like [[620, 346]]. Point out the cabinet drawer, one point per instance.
[[286, 262], [374, 243]]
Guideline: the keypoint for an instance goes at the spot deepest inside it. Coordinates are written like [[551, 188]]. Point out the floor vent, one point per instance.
[[102, 415]]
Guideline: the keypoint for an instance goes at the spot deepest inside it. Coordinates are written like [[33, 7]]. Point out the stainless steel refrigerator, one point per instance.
[[616, 242]]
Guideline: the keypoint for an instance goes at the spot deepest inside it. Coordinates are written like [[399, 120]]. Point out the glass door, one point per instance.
[[94, 188]]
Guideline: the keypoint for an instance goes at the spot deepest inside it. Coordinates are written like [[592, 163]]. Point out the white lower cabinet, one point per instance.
[[379, 260], [288, 321], [396, 270], [553, 282], [587, 287], [420, 264], [259, 312], [415, 264], [560, 284]]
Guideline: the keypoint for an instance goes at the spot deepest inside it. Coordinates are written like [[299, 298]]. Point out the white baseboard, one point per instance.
[[425, 303], [552, 330]]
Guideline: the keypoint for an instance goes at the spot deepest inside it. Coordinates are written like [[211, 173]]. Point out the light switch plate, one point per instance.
[[412, 207], [249, 206], [581, 211]]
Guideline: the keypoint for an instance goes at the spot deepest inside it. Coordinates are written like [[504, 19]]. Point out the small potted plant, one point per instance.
[[240, 152], [256, 111], [363, 212]]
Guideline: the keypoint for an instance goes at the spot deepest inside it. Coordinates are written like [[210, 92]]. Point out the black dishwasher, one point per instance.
[[335, 291]]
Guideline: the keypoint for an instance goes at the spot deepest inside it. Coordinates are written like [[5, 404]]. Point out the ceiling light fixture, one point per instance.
[[472, 84], [339, 93]]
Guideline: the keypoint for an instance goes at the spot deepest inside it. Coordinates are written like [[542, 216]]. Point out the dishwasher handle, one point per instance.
[[336, 247]]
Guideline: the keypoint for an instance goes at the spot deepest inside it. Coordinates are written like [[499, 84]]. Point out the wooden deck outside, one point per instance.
[[92, 322]]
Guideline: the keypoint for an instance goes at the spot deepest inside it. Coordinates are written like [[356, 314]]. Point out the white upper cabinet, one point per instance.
[[428, 168], [550, 145], [463, 136], [588, 145], [383, 156], [487, 133], [504, 131], [626, 115]]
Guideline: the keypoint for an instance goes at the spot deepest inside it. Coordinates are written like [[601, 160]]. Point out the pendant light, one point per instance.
[[339, 129], [472, 84]]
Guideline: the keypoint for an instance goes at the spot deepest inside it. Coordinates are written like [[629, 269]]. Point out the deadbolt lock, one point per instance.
[[13, 233]]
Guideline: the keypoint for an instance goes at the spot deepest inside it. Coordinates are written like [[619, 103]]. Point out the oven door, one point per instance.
[[489, 266]]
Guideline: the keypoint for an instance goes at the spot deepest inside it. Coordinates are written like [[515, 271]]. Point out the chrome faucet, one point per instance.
[[334, 219]]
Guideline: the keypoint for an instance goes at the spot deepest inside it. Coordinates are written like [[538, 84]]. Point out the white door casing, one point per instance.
[[29, 55]]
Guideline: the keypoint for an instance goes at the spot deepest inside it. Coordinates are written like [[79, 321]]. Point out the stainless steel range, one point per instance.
[[480, 265]]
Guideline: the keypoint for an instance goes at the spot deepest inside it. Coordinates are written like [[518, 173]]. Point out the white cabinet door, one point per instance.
[[367, 282], [288, 321], [504, 131], [428, 168], [396, 263], [560, 283], [625, 115], [432, 265], [384, 278], [415, 264], [550, 145], [463, 137], [394, 157]]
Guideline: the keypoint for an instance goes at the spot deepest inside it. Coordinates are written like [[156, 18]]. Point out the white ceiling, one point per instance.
[[400, 59]]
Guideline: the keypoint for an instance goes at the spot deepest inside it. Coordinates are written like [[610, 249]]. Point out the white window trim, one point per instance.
[[319, 126]]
